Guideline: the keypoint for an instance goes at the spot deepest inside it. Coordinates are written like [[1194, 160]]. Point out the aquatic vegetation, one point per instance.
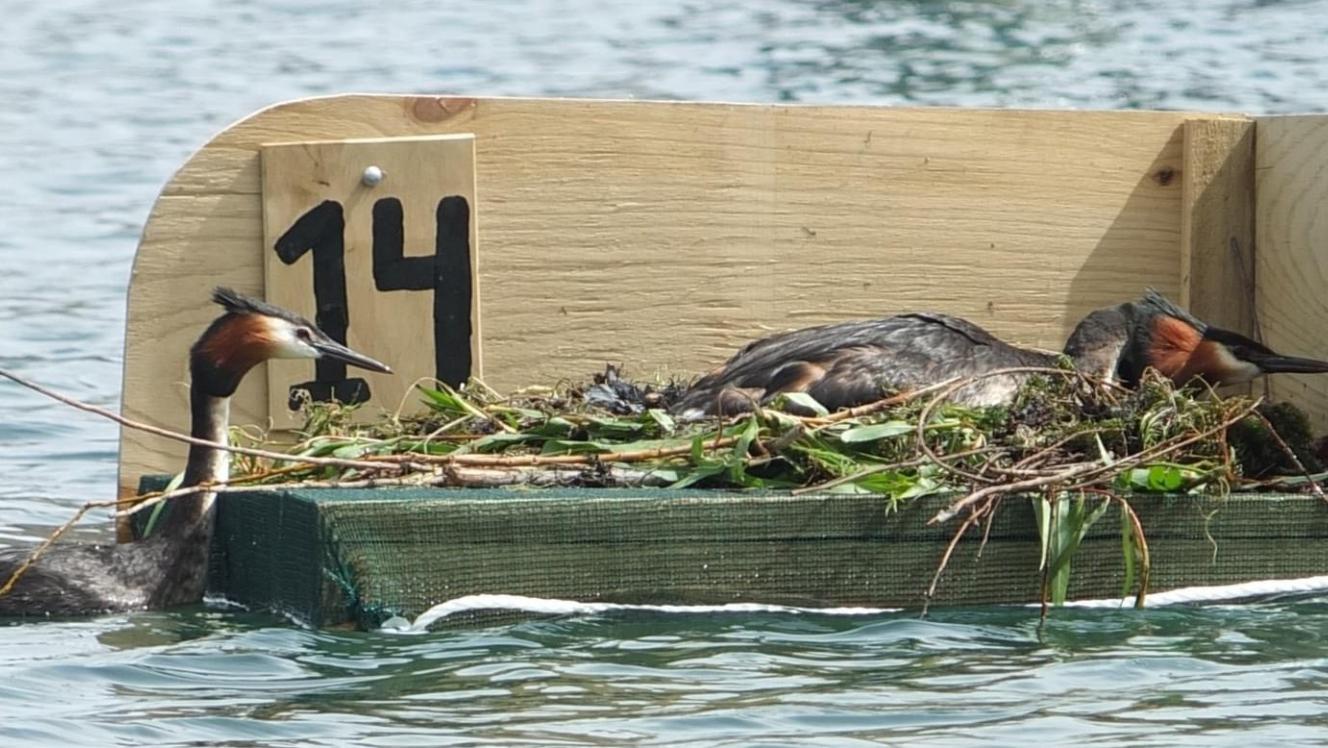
[[1071, 444], [1062, 429]]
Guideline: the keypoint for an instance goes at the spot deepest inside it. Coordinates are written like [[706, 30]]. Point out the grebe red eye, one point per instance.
[[303, 334]]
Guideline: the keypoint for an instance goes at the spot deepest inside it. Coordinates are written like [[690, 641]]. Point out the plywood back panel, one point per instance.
[[665, 235], [1291, 159], [1217, 222]]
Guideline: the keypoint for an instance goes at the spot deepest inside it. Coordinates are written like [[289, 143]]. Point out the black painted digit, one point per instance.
[[446, 271], [322, 231]]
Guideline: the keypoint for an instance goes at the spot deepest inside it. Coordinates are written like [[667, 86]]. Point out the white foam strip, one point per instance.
[[542, 606], [1214, 594]]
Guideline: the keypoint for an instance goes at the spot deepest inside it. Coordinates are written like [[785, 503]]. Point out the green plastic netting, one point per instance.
[[330, 557]]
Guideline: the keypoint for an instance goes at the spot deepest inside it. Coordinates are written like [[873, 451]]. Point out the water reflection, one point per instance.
[[100, 108]]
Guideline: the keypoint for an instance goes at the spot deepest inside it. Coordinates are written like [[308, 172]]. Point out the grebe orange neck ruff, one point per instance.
[[170, 568], [853, 363]]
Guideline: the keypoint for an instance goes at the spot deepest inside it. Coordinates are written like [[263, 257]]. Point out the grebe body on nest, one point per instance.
[[170, 567], [853, 363]]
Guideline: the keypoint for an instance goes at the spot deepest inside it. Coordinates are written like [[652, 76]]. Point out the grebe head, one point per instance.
[[1124, 340], [250, 332]]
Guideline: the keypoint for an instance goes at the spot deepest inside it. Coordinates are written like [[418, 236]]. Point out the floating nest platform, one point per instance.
[[330, 557]]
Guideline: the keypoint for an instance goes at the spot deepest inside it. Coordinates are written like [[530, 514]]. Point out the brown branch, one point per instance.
[[1174, 444], [1145, 563], [472, 477], [879, 405], [882, 468], [1036, 456], [589, 458], [475, 411], [991, 519], [973, 516], [948, 391], [1086, 473], [167, 433], [41, 549], [1291, 454]]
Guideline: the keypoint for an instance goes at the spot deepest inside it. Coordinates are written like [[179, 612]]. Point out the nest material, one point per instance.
[[1063, 430], [1075, 445]]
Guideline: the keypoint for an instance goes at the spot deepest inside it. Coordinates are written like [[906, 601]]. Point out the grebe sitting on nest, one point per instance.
[[853, 363], [170, 567]]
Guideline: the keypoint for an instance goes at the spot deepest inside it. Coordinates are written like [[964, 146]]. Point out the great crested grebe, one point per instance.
[[852, 363], [170, 567]]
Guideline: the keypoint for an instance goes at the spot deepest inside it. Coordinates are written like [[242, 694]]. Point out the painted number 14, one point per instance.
[[321, 231]]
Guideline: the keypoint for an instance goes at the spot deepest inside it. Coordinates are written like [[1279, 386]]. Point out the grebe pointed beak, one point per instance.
[[1272, 363], [331, 349]]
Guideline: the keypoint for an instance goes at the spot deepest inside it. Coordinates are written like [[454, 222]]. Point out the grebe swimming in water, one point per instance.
[[852, 363], [170, 567]]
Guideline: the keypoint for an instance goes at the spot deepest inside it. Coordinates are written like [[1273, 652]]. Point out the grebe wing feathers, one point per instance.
[[851, 363]]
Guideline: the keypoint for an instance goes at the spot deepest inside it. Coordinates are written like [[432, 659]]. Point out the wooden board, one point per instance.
[[1292, 256], [375, 263], [665, 235], [1217, 226], [400, 551], [1217, 223]]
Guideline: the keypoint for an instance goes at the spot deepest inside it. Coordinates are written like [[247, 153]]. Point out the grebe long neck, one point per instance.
[[185, 538], [210, 416]]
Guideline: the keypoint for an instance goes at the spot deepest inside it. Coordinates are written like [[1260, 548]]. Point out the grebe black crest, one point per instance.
[[170, 567], [1124, 340]]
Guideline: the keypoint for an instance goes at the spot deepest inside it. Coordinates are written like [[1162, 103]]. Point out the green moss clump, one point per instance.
[[1257, 450]]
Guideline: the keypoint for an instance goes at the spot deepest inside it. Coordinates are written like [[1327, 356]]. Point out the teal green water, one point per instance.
[[1219, 675], [101, 101]]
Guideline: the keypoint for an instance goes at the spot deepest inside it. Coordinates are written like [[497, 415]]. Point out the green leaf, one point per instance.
[[782, 421], [699, 474], [556, 426], [529, 414], [441, 400], [151, 524], [612, 428], [1072, 522], [877, 431], [577, 446], [1042, 510], [499, 441], [668, 474], [750, 429], [804, 401], [662, 419], [1127, 551], [887, 483], [921, 487], [432, 447], [353, 451], [322, 446], [573, 447], [1164, 478], [854, 489], [1102, 452]]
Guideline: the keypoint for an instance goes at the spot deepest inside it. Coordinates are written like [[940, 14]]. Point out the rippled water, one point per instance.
[[101, 101], [1214, 676]]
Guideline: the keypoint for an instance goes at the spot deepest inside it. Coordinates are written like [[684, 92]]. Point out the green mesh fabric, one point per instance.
[[330, 557]]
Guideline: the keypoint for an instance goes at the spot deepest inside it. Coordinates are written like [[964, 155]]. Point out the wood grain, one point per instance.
[[665, 235], [1292, 258], [1217, 222], [393, 327]]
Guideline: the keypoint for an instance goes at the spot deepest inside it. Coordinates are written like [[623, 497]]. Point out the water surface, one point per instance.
[[101, 101]]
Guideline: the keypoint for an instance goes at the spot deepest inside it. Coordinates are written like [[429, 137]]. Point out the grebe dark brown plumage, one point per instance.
[[852, 363], [170, 568]]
